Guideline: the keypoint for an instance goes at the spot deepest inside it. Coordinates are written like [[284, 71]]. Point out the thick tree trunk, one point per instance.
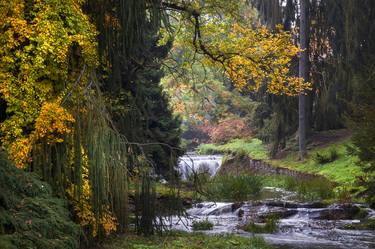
[[303, 73]]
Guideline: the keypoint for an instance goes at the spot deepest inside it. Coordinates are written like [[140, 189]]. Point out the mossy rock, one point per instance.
[[363, 225], [30, 216]]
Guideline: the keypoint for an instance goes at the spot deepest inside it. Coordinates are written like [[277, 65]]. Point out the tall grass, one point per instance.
[[307, 189], [235, 188]]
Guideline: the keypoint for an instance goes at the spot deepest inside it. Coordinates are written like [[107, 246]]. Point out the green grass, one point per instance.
[[314, 189], [180, 240], [235, 188], [165, 190], [343, 170], [253, 148]]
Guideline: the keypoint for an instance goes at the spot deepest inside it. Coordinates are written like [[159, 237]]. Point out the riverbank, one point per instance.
[[183, 240], [340, 165]]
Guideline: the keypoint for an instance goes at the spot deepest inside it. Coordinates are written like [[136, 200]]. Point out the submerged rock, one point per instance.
[[279, 213], [340, 212], [236, 206]]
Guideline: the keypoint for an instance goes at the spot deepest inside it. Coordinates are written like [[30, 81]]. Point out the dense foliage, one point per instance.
[[30, 216]]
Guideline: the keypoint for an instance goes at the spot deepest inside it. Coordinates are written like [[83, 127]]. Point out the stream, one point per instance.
[[302, 225]]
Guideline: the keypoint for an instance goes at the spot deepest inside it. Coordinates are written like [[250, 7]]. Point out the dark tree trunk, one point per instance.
[[303, 73]]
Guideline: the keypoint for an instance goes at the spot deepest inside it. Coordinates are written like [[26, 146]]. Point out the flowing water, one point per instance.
[[302, 226], [192, 163]]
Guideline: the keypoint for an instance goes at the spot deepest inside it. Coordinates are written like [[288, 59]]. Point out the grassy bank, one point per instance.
[[180, 240], [253, 148], [343, 169]]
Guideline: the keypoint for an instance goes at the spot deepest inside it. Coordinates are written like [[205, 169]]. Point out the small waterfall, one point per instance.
[[192, 163]]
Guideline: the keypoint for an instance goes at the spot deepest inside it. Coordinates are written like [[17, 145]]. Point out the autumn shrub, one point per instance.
[[227, 129]]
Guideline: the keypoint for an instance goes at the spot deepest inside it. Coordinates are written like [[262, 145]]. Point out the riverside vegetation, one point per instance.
[[333, 161]]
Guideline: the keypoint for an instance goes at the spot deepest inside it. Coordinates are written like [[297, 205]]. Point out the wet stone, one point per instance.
[[280, 213], [236, 206], [339, 212]]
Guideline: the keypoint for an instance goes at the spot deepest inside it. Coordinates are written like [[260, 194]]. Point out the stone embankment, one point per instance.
[[243, 164]]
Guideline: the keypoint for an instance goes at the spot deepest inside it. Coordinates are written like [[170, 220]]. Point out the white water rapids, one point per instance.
[[303, 226], [304, 229], [192, 163]]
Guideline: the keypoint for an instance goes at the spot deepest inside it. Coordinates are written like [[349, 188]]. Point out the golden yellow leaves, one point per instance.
[[82, 205], [251, 55], [254, 57], [19, 152], [108, 221], [34, 57], [53, 122]]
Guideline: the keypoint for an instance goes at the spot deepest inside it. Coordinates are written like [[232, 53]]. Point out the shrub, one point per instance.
[[202, 225], [326, 158], [227, 129], [269, 227], [313, 189], [30, 215], [307, 189], [235, 188]]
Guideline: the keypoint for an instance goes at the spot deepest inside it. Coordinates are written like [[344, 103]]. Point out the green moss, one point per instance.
[[30, 217], [364, 225], [180, 240], [253, 148]]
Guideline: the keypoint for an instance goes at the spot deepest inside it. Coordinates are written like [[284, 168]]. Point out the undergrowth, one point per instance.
[[30, 217], [235, 188], [202, 225], [181, 240]]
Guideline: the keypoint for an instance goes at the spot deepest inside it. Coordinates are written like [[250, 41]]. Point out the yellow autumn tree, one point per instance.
[[37, 74], [231, 38], [35, 43]]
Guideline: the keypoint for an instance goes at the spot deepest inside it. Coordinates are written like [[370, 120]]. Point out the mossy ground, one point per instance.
[[344, 170], [30, 216], [180, 240]]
